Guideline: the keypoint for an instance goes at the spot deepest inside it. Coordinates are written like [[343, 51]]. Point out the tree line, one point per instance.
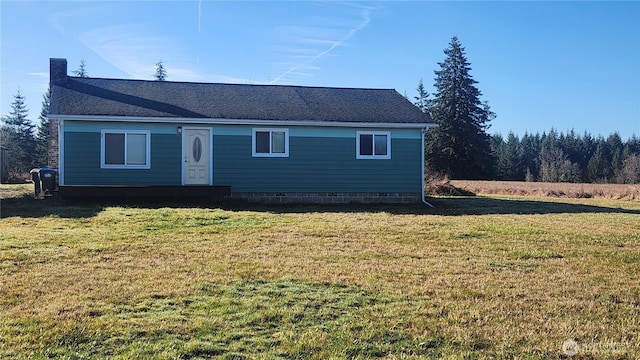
[[559, 157], [461, 148]]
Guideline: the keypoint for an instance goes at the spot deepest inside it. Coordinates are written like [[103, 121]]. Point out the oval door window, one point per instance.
[[197, 149]]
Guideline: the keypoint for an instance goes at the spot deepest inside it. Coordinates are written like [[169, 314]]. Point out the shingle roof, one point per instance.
[[139, 98]]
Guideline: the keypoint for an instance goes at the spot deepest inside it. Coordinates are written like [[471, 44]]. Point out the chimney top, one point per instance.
[[58, 71]]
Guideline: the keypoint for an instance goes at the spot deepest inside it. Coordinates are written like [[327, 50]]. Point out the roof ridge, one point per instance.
[[230, 84]]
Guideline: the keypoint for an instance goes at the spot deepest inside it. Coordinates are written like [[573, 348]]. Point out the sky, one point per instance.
[[540, 65]]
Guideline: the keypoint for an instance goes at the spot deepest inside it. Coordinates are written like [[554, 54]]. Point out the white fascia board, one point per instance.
[[212, 121]]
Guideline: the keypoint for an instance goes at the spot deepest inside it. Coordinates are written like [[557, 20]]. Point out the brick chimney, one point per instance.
[[58, 72], [57, 76]]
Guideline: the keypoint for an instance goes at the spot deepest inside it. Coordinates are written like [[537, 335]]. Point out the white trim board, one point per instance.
[[253, 122]]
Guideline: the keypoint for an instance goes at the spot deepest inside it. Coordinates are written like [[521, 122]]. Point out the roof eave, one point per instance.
[[225, 121]]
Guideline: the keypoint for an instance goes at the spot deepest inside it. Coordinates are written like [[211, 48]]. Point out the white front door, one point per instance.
[[197, 160]]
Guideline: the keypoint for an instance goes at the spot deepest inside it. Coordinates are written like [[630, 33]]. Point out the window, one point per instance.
[[125, 149], [270, 143], [373, 145]]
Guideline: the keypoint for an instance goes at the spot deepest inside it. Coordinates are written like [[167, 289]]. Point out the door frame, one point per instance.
[[182, 153]]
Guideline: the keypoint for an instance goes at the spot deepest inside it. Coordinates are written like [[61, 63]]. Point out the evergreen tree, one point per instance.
[[496, 142], [530, 147], [509, 163], [571, 143], [632, 146], [42, 135], [161, 72], [599, 167], [588, 146], [81, 71], [551, 157], [555, 165], [19, 137], [422, 100], [459, 146], [616, 147]]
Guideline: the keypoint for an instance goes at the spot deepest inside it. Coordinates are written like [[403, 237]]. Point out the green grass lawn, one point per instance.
[[476, 277]]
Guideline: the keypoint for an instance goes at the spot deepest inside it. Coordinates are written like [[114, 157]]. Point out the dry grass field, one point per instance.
[[474, 278], [569, 190]]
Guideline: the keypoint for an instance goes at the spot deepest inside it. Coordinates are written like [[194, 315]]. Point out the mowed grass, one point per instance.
[[478, 277]]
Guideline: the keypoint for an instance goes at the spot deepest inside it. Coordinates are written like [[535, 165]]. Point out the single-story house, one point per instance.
[[268, 143]]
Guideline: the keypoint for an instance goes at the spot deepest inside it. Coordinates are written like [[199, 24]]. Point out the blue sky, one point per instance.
[[540, 65]]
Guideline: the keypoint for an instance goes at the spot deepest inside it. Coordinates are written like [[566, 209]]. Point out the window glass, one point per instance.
[[380, 144], [270, 143], [124, 149], [136, 149], [277, 142], [262, 142], [373, 145], [114, 149], [366, 144]]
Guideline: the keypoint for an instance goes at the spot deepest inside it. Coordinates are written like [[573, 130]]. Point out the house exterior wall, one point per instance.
[[321, 161], [315, 164], [82, 162]]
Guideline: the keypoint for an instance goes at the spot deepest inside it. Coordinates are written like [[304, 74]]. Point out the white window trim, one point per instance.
[[374, 133], [147, 145], [269, 154]]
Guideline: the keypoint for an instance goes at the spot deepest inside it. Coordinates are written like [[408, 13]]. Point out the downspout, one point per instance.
[[424, 199]]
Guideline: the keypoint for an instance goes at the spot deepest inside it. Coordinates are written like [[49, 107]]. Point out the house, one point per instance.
[[267, 143]]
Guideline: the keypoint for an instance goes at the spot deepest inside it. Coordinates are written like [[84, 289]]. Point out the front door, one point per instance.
[[197, 160]]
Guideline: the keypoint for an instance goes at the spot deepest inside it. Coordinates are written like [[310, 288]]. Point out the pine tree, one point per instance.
[[422, 100], [459, 146], [530, 147], [81, 71], [599, 167], [616, 147], [42, 135], [19, 137], [509, 166], [161, 72]]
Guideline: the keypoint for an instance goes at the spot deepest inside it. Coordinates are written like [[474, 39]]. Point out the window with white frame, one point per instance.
[[125, 149], [270, 143], [373, 145]]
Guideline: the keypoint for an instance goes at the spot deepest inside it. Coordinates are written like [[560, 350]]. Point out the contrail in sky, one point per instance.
[[335, 44]]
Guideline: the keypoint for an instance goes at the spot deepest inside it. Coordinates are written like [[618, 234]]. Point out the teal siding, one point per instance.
[[82, 162], [316, 165], [325, 162]]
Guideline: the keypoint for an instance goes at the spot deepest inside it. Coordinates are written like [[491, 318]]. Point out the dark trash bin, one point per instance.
[[35, 176], [48, 180]]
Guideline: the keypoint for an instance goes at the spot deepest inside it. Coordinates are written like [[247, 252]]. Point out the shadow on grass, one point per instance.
[[478, 205], [447, 206], [28, 207]]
